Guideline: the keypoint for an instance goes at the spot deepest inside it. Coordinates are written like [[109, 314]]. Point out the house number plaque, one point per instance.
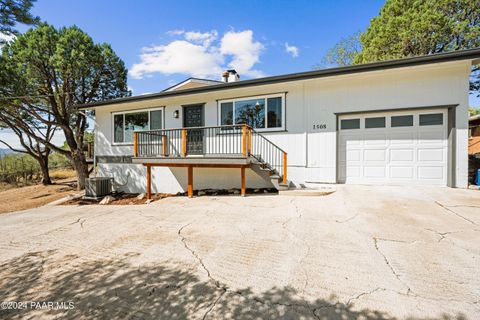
[[321, 126]]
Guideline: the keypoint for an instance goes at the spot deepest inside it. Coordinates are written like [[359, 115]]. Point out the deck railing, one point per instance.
[[214, 141]]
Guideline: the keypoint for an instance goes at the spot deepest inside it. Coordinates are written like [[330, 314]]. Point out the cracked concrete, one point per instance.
[[362, 252], [387, 262]]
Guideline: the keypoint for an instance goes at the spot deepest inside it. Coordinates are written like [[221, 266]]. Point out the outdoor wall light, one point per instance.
[[176, 114]]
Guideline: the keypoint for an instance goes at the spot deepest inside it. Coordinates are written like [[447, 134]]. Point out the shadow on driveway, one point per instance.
[[119, 289]]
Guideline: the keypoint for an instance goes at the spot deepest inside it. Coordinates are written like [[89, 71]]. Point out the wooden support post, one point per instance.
[[285, 168], [164, 145], [190, 181], [244, 140], [243, 184], [184, 142], [135, 144], [249, 148], [149, 182]]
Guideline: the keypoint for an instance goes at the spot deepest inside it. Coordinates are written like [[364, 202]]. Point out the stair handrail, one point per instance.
[[283, 162]]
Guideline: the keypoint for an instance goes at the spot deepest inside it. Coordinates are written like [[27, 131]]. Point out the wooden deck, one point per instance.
[[232, 146]]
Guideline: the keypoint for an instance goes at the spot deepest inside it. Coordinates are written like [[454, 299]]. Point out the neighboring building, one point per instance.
[[473, 148], [394, 122], [474, 125]]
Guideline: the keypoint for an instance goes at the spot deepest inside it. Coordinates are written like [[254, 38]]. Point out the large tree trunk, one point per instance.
[[43, 162], [80, 165]]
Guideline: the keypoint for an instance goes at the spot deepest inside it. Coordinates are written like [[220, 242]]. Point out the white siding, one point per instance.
[[312, 153]]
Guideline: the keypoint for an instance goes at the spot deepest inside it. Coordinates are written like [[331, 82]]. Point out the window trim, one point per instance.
[[375, 117], [429, 114], [257, 97], [356, 118], [147, 110]]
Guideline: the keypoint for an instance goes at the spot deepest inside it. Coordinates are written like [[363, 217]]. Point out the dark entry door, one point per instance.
[[193, 117]]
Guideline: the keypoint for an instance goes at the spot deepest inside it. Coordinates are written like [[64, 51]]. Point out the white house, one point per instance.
[[394, 122]]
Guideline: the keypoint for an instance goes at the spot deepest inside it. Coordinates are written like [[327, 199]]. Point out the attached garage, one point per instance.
[[398, 147]]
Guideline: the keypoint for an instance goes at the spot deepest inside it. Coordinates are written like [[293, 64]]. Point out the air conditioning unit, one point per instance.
[[98, 187]]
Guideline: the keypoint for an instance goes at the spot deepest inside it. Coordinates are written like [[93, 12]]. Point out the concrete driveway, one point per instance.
[[362, 252]]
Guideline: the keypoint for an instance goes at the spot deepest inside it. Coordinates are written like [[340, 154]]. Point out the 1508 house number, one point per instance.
[[319, 126]]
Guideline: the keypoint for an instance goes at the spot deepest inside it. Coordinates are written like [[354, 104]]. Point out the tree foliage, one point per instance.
[[344, 52], [13, 12], [407, 28], [47, 72]]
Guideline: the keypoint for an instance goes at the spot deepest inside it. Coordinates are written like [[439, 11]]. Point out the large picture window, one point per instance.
[[264, 113], [125, 123]]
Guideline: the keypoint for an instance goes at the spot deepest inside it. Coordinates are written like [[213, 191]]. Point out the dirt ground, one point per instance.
[[16, 199]]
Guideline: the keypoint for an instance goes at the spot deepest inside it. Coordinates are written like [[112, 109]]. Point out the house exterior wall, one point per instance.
[[310, 135]]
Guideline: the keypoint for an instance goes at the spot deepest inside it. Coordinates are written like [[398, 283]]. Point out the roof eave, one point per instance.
[[471, 54]]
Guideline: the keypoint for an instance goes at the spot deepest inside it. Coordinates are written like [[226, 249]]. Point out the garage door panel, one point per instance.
[[402, 172], [430, 172], [411, 154], [402, 155], [374, 155], [429, 137], [402, 138], [353, 171], [430, 154], [353, 155], [374, 172], [375, 139]]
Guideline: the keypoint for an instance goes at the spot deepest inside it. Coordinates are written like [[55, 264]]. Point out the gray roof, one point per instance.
[[470, 54]]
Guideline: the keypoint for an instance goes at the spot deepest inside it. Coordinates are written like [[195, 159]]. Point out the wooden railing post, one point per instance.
[[164, 145], [135, 144], [244, 140], [284, 168], [249, 148], [184, 142]]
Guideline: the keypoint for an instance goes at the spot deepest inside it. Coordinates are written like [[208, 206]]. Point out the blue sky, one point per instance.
[[164, 42], [259, 32], [130, 26]]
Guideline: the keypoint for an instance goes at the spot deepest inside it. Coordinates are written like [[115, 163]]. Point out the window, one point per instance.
[[377, 122], [348, 124], [274, 112], [260, 113], [124, 124], [432, 119], [402, 121], [226, 113]]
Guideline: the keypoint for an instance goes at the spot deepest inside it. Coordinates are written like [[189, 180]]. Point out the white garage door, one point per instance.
[[393, 148]]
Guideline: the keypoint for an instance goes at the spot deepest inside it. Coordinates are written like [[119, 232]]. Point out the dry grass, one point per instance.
[[60, 174]]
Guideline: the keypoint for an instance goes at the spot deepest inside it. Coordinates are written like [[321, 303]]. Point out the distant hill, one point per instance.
[[4, 152]]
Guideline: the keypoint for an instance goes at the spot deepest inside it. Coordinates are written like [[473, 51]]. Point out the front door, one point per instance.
[[193, 117]]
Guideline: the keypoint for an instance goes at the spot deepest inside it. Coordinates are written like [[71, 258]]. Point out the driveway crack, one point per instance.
[[358, 296], [447, 208], [375, 240], [212, 306], [348, 219], [442, 235]]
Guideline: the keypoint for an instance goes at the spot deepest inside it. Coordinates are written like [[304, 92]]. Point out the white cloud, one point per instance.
[[179, 56], [244, 50], [292, 50], [205, 38], [176, 32], [201, 54]]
